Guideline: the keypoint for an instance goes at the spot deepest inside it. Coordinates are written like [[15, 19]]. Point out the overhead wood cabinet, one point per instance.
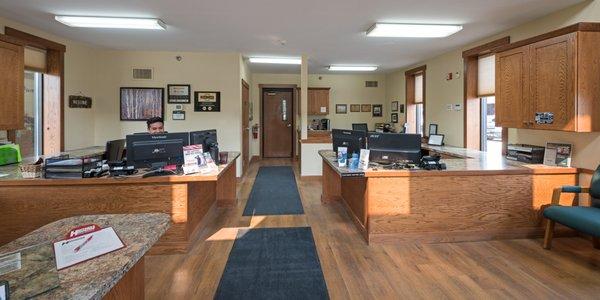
[[12, 84], [318, 100], [551, 81]]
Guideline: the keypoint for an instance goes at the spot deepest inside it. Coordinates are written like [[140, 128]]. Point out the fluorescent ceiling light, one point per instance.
[[412, 30], [277, 60], [110, 22], [352, 68]]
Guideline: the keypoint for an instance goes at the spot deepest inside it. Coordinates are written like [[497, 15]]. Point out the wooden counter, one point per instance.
[[479, 197], [28, 204]]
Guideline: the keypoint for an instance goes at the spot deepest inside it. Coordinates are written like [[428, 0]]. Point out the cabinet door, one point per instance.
[[12, 81], [512, 88], [553, 63], [322, 101], [312, 103]]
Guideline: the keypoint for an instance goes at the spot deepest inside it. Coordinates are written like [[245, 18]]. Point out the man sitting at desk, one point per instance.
[[156, 125]]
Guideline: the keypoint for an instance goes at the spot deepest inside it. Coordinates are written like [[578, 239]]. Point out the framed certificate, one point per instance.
[[178, 93]]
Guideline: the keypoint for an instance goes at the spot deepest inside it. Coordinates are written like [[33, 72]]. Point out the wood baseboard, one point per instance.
[[310, 177], [254, 159]]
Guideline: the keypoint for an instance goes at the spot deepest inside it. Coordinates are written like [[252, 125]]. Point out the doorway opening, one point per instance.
[[491, 135], [277, 118], [29, 138]]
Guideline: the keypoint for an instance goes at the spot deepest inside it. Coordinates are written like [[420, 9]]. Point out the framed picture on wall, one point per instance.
[[207, 101], [178, 115], [178, 93], [394, 105], [341, 108], [377, 110], [354, 107], [141, 103], [365, 108], [394, 117], [401, 108]]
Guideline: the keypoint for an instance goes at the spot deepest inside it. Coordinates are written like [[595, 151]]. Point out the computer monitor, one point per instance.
[[114, 150], [390, 148], [206, 138], [354, 140], [156, 150], [360, 127]]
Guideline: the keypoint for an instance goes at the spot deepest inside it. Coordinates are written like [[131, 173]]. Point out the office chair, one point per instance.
[[360, 127]]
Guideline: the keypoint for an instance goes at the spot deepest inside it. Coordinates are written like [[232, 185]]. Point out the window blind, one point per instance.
[[35, 58], [419, 88], [486, 76]]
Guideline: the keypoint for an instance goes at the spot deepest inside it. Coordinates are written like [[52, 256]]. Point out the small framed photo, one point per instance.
[[341, 108], [207, 101], [377, 110], [394, 105], [354, 107], [436, 140], [365, 108], [178, 115], [433, 129], [394, 117], [178, 93], [401, 108]]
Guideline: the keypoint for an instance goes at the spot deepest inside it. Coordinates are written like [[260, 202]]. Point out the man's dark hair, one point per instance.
[[154, 120]]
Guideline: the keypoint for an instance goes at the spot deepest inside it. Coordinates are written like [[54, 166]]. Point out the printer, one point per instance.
[[530, 154]]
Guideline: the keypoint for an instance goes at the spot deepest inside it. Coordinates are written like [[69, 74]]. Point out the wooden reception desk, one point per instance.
[[27, 204], [478, 197]]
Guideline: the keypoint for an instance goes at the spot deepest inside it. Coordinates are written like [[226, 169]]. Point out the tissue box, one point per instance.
[[10, 154]]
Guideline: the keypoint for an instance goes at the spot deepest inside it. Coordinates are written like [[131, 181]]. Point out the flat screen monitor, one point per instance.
[[206, 138], [114, 150], [354, 140], [156, 150], [360, 127], [387, 148]]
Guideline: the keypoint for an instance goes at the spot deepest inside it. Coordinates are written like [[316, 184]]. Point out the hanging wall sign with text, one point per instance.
[[80, 102]]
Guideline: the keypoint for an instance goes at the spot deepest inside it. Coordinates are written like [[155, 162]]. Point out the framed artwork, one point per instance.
[[178, 115], [365, 108], [394, 105], [377, 110], [401, 108], [141, 103], [394, 117], [354, 107], [207, 101], [178, 93], [341, 108]]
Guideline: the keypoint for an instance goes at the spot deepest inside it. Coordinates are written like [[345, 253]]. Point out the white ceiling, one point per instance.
[[328, 31]]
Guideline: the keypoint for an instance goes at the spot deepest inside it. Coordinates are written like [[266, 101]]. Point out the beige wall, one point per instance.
[[79, 77], [345, 89], [441, 92]]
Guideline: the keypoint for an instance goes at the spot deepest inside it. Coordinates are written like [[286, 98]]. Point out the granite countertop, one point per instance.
[[95, 278], [464, 162]]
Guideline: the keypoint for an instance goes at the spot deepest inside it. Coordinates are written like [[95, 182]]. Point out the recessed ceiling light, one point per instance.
[[352, 68], [412, 30], [276, 60], [111, 22]]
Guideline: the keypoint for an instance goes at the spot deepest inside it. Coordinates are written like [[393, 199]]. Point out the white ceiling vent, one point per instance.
[[371, 83], [143, 73]]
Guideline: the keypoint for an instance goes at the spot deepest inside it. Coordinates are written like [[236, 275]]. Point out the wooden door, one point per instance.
[[552, 81], [12, 81], [245, 125], [277, 111], [512, 88]]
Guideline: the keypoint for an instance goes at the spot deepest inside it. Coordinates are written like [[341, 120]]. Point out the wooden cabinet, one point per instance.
[[555, 74], [12, 85], [318, 101]]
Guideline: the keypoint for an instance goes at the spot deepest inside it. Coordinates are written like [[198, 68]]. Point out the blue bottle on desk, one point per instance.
[[354, 161]]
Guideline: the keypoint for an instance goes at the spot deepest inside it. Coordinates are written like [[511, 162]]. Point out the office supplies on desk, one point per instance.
[[342, 156], [10, 154], [208, 140], [75, 250], [526, 153]]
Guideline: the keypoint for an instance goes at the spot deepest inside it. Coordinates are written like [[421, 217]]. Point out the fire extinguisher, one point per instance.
[[255, 131]]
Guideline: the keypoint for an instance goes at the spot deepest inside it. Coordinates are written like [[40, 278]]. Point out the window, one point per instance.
[[29, 139], [491, 136], [419, 113], [415, 100]]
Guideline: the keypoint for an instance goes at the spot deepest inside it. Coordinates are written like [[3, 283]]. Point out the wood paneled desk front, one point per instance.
[[479, 197], [27, 204]]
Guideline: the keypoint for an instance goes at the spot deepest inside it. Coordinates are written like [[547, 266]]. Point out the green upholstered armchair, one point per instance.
[[585, 219]]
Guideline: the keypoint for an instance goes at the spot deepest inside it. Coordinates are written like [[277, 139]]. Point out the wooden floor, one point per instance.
[[353, 270]]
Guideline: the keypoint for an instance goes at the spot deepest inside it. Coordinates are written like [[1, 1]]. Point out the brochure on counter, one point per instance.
[[84, 243], [197, 161]]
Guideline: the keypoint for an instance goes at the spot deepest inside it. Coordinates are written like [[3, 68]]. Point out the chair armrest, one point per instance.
[[567, 189]]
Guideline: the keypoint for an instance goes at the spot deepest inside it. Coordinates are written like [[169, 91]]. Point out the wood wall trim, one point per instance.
[[34, 41], [416, 70], [584, 26], [487, 47], [12, 40], [245, 84], [586, 171]]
